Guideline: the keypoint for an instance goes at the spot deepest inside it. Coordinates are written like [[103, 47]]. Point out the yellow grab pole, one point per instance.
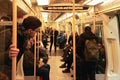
[[74, 39], [14, 38], [81, 26], [94, 25], [29, 6], [40, 35], [35, 55]]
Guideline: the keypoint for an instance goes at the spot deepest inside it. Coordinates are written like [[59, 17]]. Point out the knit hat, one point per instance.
[[31, 22]]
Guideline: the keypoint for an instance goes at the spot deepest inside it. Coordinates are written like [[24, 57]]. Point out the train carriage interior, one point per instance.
[[67, 17]]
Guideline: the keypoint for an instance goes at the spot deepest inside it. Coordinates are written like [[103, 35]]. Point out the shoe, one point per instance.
[[66, 71], [62, 66]]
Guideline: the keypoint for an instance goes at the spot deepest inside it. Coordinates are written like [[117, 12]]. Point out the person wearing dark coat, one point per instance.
[[86, 70], [55, 40], [25, 31], [51, 40]]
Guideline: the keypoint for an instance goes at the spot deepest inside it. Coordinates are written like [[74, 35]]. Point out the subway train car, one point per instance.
[[54, 43]]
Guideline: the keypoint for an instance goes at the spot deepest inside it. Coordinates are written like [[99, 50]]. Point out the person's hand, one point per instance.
[[13, 52], [41, 63]]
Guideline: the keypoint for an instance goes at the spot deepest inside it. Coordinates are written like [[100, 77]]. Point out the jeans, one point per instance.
[[44, 72]]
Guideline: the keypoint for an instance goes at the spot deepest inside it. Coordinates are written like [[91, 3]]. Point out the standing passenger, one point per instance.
[[30, 24], [51, 40], [87, 68], [55, 40]]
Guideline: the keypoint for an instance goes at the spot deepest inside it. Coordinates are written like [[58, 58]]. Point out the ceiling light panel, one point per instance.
[[43, 2], [93, 2]]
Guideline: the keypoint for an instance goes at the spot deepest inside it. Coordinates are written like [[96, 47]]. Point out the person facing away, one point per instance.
[[55, 40], [51, 40], [29, 27], [87, 69]]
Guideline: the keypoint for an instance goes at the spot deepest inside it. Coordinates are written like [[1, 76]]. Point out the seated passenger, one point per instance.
[[42, 68], [68, 61]]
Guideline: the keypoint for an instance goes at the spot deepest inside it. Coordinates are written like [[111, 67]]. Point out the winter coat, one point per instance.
[[81, 42]]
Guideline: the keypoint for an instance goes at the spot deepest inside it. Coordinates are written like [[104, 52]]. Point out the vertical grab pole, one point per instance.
[[40, 35], [81, 27], [14, 38], [94, 25], [74, 41], [35, 55]]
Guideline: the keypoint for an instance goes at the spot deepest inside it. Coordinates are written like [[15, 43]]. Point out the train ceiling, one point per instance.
[[6, 7], [54, 14]]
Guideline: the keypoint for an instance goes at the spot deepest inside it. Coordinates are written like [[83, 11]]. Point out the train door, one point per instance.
[[111, 39]]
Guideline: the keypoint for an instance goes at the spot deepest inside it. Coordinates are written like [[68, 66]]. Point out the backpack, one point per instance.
[[91, 50]]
